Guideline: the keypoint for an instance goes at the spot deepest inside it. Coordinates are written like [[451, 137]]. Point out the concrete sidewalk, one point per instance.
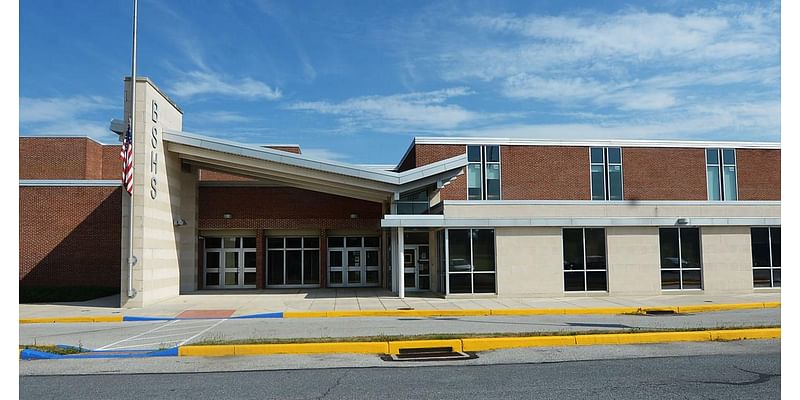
[[237, 303]]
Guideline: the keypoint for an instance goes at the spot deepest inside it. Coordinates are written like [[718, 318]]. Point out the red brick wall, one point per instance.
[[283, 208], [664, 174], [52, 158], [69, 236], [759, 174], [430, 153], [112, 164], [94, 160], [544, 173]]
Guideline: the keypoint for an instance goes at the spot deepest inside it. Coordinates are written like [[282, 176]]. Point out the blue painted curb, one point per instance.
[[262, 315], [127, 318], [29, 354]]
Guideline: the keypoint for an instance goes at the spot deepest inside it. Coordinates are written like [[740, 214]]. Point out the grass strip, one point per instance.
[[53, 349], [443, 336]]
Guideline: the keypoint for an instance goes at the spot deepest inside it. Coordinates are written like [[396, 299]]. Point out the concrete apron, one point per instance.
[[326, 302]]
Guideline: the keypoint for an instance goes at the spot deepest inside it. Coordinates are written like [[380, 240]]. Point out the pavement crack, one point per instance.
[[334, 386], [760, 378]]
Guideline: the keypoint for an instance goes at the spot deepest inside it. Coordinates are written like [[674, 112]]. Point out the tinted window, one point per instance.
[[776, 247], [459, 250], [595, 248], [690, 247], [573, 249], [483, 249], [614, 155], [668, 240], [311, 242], [728, 156], [275, 243], [492, 153], [249, 243], [336, 241], [615, 182], [474, 153], [759, 243], [597, 155], [213, 243], [712, 156], [598, 187]]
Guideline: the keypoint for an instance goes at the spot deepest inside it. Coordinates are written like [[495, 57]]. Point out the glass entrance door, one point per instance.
[[416, 268], [353, 261], [230, 262]]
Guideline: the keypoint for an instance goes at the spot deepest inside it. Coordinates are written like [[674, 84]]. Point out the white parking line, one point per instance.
[[106, 347], [204, 331], [171, 334]]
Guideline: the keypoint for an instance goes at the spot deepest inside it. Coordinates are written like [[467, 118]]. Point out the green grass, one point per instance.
[[441, 336], [55, 349], [63, 294]]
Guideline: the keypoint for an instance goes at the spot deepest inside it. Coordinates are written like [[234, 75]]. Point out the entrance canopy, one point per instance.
[[304, 172]]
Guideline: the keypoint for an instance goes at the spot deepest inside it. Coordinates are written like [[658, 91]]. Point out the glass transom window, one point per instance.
[[721, 174], [483, 172], [606, 173]]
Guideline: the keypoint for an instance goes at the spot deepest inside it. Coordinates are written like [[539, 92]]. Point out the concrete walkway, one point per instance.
[[235, 303]]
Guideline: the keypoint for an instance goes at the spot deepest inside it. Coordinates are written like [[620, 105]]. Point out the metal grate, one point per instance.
[[429, 354]]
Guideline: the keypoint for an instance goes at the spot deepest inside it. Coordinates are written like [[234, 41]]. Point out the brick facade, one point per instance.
[[426, 154], [663, 174], [283, 208], [69, 236], [544, 173], [759, 174]]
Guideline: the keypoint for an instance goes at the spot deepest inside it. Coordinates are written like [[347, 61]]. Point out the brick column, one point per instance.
[[261, 266], [323, 258]]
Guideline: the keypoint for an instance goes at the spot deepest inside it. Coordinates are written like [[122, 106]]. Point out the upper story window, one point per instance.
[[413, 203], [606, 171], [721, 163], [483, 172]]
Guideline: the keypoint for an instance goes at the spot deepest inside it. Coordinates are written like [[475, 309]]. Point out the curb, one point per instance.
[[432, 313], [394, 347]]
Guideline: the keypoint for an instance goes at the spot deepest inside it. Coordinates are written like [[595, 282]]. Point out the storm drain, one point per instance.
[[660, 312], [429, 354]]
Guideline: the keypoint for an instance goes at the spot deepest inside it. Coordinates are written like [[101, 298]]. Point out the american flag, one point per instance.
[[126, 154]]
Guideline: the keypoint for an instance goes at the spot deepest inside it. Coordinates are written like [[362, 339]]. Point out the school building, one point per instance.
[[455, 216]]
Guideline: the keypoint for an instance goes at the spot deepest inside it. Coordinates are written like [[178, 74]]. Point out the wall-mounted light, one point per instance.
[[180, 222], [682, 221], [227, 216], [353, 216]]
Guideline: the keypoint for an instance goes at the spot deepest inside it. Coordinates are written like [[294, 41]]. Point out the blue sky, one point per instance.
[[355, 81]]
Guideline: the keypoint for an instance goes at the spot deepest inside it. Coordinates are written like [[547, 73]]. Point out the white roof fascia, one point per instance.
[[303, 161], [742, 203], [596, 142], [439, 221], [70, 182]]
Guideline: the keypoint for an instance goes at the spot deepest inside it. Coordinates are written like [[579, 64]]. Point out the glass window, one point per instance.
[[474, 186], [471, 261], [212, 259], [765, 245], [311, 242], [275, 243], [459, 250], [681, 258], [597, 155], [213, 243], [354, 242], [483, 173], [371, 241], [335, 241], [721, 174], [294, 267], [492, 154], [584, 259], [294, 243], [275, 267], [311, 267], [606, 173], [474, 153], [249, 242]]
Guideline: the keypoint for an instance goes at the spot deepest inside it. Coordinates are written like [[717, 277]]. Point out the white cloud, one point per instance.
[[77, 115], [195, 83], [324, 154], [221, 116], [410, 110], [37, 110]]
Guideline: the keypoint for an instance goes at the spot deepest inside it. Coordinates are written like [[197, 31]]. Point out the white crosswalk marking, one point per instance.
[[171, 334]]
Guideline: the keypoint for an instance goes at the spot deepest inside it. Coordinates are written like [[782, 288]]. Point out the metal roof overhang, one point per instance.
[[304, 172]]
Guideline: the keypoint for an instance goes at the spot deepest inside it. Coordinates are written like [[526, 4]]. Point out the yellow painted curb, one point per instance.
[[478, 344], [773, 304], [649, 337], [600, 310], [740, 334], [305, 314], [395, 346], [528, 311], [206, 351], [484, 344], [46, 320]]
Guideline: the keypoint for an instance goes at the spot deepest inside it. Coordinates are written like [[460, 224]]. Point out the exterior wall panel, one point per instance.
[[664, 174], [529, 262], [69, 236], [759, 174], [633, 258], [544, 173], [727, 259], [283, 208]]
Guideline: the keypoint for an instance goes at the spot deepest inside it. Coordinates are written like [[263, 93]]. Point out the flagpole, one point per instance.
[[131, 257]]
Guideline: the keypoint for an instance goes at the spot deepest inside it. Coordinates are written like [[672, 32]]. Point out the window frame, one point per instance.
[[680, 268], [345, 268], [585, 269], [606, 165], [240, 252], [472, 271], [720, 167], [284, 249], [772, 266], [484, 163]]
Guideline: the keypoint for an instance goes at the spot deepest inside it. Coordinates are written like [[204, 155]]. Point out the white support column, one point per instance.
[[401, 282], [393, 239]]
